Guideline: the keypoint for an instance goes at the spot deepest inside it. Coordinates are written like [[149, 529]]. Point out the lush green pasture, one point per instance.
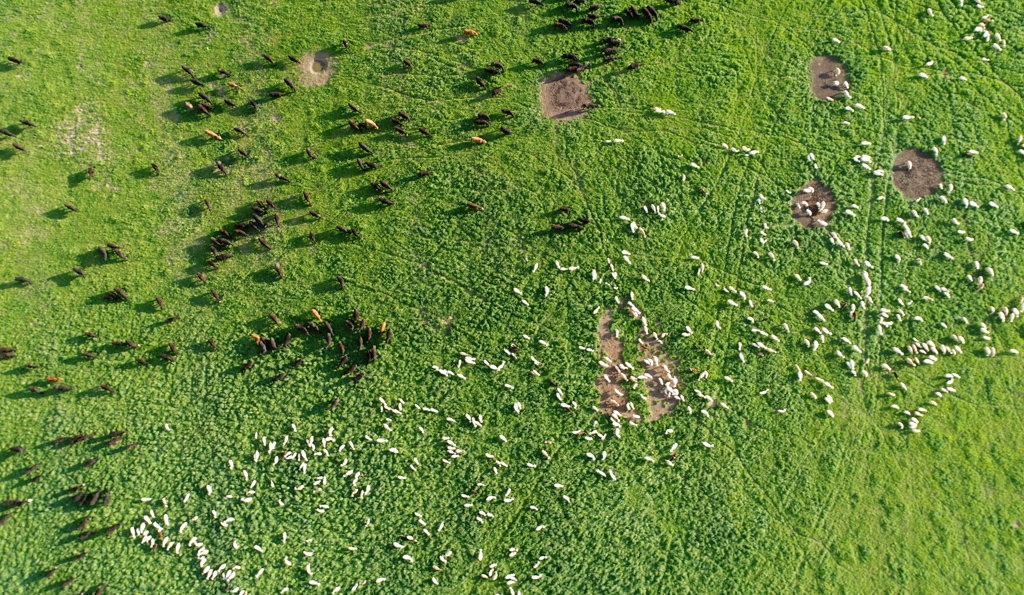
[[783, 502]]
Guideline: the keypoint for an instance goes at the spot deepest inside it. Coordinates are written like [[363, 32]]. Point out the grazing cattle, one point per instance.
[[424, 173], [248, 366], [15, 59], [213, 344], [243, 152], [473, 206], [366, 148], [478, 140], [288, 82], [309, 153], [71, 208], [268, 58], [481, 82], [293, 58], [505, 130], [280, 272], [537, 61], [280, 377], [216, 295], [164, 18]]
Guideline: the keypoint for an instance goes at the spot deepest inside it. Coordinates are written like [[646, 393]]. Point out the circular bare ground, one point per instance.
[[221, 9], [813, 204], [916, 173], [828, 77], [563, 96], [315, 69]]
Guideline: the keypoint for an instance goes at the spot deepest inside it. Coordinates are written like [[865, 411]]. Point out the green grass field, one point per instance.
[[782, 502]]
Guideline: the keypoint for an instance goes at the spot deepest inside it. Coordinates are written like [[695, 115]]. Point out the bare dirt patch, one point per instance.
[[813, 204], [662, 382], [563, 96], [916, 173], [221, 9], [828, 77], [610, 382], [82, 135], [315, 69]]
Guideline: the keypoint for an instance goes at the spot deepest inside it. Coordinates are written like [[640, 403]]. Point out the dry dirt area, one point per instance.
[[610, 382], [221, 9], [663, 384], [916, 173], [563, 96], [82, 135], [813, 204], [315, 69], [828, 77]]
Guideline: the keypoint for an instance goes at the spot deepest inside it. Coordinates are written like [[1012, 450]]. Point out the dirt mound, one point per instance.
[[813, 204], [315, 69], [916, 173], [611, 380], [828, 77], [221, 9], [563, 96]]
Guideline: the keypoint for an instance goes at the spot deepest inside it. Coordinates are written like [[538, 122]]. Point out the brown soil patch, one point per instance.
[[813, 208], [921, 178], [221, 9], [828, 77], [662, 382], [563, 96], [613, 396], [315, 69]]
